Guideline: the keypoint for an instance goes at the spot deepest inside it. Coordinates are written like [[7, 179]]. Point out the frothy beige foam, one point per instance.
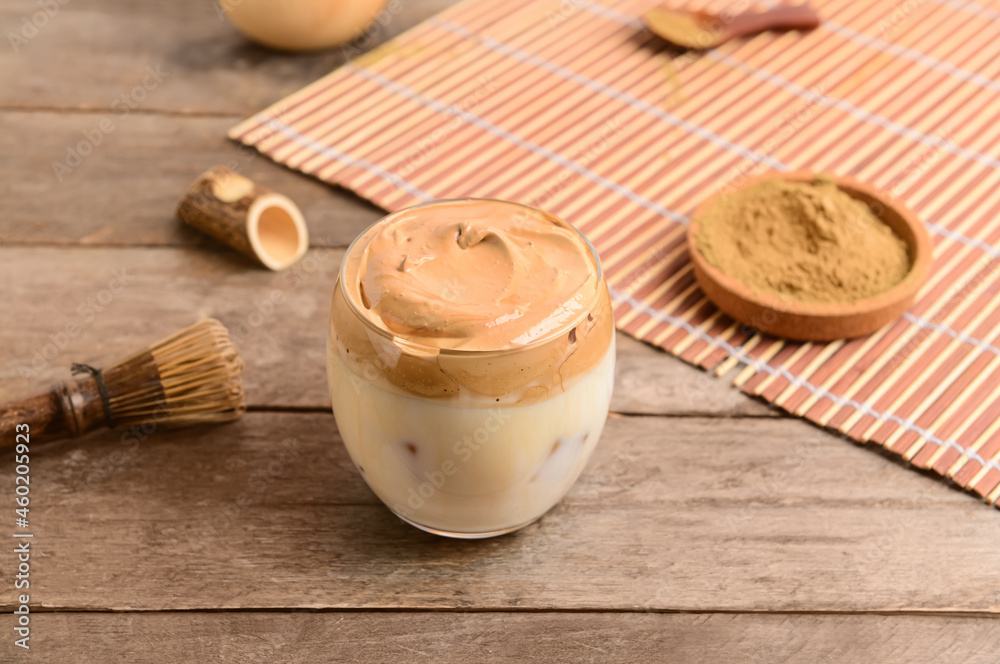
[[475, 275], [472, 297]]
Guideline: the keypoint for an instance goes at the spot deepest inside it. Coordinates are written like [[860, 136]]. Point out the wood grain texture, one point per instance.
[[150, 107], [736, 514], [278, 320], [307, 637], [46, 413], [707, 509], [90, 53], [125, 191]]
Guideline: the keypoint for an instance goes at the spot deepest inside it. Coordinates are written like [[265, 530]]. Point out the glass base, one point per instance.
[[467, 536]]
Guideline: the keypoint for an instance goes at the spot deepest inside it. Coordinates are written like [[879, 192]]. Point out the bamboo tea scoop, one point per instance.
[[191, 377], [703, 30]]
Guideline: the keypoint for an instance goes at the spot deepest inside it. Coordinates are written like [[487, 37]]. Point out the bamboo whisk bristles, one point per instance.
[[191, 377]]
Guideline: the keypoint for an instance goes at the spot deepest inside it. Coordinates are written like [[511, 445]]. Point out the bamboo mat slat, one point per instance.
[[574, 107]]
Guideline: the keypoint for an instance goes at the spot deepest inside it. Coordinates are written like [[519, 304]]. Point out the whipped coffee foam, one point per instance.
[[472, 301], [471, 362], [475, 276]]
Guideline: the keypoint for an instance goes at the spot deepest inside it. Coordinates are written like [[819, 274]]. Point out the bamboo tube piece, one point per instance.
[[259, 223]]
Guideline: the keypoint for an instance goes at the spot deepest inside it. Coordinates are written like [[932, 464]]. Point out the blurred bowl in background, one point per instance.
[[301, 25]]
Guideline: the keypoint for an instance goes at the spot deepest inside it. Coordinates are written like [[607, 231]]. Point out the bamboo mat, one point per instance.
[[572, 106]]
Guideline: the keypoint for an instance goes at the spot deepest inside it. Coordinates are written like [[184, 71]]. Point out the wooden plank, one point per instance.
[[734, 514], [42, 290], [138, 159], [648, 381], [125, 191], [206, 66], [98, 638]]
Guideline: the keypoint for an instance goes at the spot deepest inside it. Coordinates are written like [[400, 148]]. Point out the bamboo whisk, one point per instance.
[[191, 377]]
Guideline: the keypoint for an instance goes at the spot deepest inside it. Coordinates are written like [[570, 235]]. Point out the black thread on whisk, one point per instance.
[[79, 368]]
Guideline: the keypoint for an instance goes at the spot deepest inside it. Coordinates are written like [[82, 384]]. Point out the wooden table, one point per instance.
[[707, 528]]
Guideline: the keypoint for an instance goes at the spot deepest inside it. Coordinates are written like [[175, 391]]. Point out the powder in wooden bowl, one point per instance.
[[805, 241]]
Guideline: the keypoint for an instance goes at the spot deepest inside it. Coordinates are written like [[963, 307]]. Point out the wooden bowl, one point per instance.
[[819, 321]]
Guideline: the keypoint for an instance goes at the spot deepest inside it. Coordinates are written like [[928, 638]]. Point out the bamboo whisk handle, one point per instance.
[[68, 410]]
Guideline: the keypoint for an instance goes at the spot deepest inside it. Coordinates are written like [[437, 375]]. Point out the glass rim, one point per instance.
[[428, 349]]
